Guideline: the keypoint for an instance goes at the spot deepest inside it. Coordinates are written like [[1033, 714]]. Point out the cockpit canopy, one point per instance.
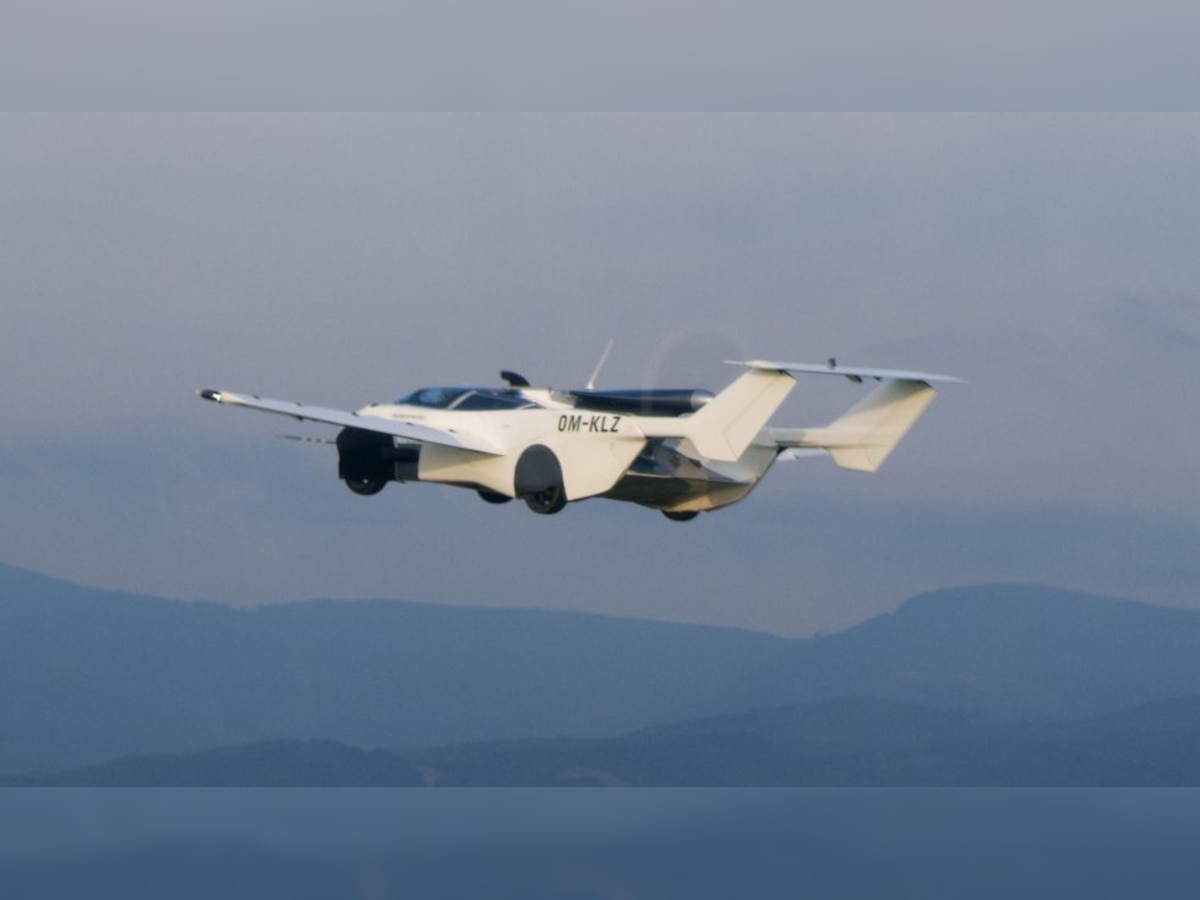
[[466, 398]]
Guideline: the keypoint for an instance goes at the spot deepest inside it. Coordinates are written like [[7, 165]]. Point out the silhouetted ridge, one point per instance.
[[1013, 650], [98, 675], [834, 743], [90, 676], [279, 763]]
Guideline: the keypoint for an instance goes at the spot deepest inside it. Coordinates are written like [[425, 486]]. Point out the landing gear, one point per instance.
[[548, 501], [365, 487], [492, 496], [360, 460], [681, 515], [539, 480]]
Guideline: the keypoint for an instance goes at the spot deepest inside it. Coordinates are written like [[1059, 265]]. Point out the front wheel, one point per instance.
[[492, 496], [365, 487]]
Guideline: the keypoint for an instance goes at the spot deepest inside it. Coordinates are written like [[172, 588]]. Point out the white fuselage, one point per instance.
[[681, 451], [598, 452]]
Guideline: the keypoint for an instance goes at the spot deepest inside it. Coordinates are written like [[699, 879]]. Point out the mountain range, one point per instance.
[[836, 743], [842, 845], [999, 680]]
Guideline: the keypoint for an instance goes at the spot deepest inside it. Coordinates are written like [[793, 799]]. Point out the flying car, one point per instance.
[[680, 451]]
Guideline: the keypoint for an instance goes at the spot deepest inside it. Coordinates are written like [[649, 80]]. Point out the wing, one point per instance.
[[407, 430], [853, 373]]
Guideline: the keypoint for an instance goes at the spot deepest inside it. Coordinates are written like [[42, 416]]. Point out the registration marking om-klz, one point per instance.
[[590, 424]]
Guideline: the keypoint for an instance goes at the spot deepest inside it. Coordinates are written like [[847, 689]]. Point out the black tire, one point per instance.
[[681, 515], [360, 460], [547, 502], [492, 496], [365, 487], [539, 481]]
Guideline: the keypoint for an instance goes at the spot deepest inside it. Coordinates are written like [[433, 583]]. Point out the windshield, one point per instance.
[[465, 398], [435, 397]]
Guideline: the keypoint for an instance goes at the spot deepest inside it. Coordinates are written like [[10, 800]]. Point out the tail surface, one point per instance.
[[864, 436], [727, 424], [860, 439]]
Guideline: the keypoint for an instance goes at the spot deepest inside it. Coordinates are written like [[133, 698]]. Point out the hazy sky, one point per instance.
[[1050, 260], [610, 55]]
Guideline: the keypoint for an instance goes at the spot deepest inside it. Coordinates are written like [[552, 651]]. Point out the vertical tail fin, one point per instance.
[[727, 424]]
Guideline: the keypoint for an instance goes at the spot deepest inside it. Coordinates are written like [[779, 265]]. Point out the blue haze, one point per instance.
[[341, 259]]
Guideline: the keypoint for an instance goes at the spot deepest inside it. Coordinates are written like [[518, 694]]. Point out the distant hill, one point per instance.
[[1009, 650], [843, 845], [93, 675], [835, 743], [280, 763], [90, 676]]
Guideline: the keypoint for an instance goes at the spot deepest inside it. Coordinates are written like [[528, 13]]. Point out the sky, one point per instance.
[[612, 55], [1048, 259]]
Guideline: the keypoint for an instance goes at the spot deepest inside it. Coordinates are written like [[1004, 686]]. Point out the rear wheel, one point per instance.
[[548, 501], [680, 515], [539, 481], [492, 496]]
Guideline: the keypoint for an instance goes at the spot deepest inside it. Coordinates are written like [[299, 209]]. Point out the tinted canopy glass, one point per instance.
[[465, 398], [433, 397]]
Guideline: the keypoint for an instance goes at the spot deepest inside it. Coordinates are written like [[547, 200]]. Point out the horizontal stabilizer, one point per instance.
[[851, 372], [866, 434]]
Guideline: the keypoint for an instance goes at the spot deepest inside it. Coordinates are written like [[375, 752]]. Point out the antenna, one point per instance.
[[591, 384]]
